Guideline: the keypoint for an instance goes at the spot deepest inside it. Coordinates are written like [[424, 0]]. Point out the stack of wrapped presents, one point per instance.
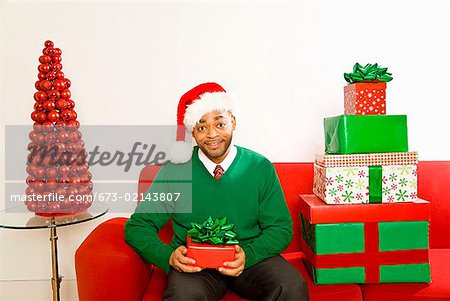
[[365, 223]]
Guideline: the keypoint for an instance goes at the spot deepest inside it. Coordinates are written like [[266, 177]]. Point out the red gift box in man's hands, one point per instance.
[[209, 256]]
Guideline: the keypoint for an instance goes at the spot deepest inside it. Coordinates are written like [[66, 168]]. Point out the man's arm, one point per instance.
[[141, 230], [274, 220]]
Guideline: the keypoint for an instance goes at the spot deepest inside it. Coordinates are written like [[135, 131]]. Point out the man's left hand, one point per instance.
[[234, 268]]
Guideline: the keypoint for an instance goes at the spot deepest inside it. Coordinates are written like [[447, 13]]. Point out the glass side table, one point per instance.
[[20, 218]]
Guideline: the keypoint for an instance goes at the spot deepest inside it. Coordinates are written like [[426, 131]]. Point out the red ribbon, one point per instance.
[[371, 259]]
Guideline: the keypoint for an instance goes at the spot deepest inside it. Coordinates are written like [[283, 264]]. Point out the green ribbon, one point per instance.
[[216, 232], [368, 73], [375, 184]]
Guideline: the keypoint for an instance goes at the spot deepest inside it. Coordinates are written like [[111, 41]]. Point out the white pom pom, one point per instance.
[[180, 152]]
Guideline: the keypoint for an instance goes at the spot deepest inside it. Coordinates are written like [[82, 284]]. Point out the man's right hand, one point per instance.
[[180, 262]]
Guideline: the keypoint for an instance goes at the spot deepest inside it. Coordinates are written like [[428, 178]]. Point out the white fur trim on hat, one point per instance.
[[180, 152], [208, 102]]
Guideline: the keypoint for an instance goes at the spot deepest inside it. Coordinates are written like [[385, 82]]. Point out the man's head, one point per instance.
[[213, 134], [211, 107]]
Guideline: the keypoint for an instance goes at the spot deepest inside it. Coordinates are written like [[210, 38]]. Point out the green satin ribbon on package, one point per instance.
[[357, 134], [375, 184], [368, 73], [216, 232]]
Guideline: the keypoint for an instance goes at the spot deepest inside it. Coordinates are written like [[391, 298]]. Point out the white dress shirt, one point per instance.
[[225, 164]]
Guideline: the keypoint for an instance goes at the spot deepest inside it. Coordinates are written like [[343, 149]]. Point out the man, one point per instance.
[[230, 181]]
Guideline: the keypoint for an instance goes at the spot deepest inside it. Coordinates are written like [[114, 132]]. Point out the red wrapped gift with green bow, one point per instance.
[[211, 243], [366, 92]]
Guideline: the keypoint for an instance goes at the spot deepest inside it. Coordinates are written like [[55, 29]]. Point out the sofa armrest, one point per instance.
[[107, 268]]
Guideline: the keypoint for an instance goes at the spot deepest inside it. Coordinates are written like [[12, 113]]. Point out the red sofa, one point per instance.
[[108, 269]]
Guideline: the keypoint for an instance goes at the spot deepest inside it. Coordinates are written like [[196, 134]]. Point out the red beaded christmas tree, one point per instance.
[[59, 180]]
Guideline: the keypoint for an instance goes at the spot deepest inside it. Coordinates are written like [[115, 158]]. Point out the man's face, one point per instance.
[[214, 133]]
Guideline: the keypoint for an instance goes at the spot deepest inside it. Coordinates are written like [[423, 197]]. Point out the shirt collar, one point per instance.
[[225, 164]]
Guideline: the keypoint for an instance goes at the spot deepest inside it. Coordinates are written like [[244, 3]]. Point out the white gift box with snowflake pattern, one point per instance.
[[350, 185]]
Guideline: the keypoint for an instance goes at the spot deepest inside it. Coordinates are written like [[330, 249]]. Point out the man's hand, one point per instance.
[[180, 262], [234, 268]]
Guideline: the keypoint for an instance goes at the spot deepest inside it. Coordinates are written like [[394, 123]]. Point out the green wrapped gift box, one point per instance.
[[381, 243], [352, 134]]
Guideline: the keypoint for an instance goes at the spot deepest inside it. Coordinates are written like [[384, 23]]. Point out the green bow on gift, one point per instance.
[[216, 232], [368, 73]]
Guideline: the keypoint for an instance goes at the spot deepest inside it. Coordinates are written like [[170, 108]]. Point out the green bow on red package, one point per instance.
[[368, 73], [216, 232]]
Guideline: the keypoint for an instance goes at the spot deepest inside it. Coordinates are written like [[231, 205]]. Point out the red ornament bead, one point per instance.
[[65, 93], [65, 115], [72, 125], [45, 59], [39, 139], [63, 136], [70, 104], [60, 125], [51, 173], [32, 206], [63, 170], [32, 135], [50, 138], [41, 117], [51, 75], [65, 204], [56, 59], [53, 116], [57, 51], [68, 82], [59, 84], [72, 189], [31, 180], [38, 107], [40, 96], [60, 75], [37, 85], [54, 207], [46, 85], [48, 43], [54, 94], [56, 67], [30, 169], [50, 51], [49, 105], [74, 136], [47, 126], [34, 116], [42, 76], [60, 191], [39, 172], [30, 190], [72, 115], [44, 68], [45, 51], [37, 127], [32, 146], [60, 147], [61, 104]]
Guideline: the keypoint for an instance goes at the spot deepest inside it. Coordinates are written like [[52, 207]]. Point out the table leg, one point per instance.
[[56, 278]]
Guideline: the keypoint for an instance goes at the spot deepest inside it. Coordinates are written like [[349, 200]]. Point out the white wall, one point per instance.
[[130, 63]]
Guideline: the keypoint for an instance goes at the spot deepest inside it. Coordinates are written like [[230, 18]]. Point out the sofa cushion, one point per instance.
[[434, 186], [438, 289]]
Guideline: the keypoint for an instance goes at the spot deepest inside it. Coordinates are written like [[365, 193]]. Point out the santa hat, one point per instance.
[[204, 98]]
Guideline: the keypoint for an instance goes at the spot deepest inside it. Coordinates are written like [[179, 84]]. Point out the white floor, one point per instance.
[[36, 290]]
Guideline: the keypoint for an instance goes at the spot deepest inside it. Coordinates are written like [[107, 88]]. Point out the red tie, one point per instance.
[[218, 172]]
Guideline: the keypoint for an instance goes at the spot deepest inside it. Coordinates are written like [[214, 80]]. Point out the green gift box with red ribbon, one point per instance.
[[380, 243]]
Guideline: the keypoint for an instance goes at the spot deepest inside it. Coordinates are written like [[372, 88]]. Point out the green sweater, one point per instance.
[[248, 194]]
